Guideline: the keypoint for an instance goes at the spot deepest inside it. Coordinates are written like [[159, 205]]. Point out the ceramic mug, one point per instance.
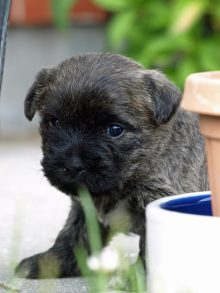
[[183, 245]]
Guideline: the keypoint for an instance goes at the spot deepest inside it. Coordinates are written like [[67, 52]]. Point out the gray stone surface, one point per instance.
[[69, 285]]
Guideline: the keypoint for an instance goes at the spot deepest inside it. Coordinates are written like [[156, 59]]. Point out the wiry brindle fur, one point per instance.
[[159, 151]]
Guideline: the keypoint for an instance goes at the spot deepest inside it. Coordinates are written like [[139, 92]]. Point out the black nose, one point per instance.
[[74, 166]]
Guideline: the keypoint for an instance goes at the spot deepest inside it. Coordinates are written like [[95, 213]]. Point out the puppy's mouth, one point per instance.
[[97, 181]]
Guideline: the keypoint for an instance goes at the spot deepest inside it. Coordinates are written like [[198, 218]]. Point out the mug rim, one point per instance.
[[178, 196], [155, 211]]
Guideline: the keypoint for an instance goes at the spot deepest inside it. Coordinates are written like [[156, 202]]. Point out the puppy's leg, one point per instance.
[[59, 260]]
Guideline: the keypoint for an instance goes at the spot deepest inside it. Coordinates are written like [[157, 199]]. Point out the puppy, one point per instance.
[[116, 128]]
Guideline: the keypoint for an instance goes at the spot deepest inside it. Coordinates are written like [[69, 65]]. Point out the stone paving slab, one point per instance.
[[71, 285]]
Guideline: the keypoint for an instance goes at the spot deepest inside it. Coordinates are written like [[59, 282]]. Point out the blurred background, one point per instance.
[[42, 33], [176, 36]]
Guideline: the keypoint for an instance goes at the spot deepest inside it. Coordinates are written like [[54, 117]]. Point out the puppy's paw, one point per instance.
[[39, 266]]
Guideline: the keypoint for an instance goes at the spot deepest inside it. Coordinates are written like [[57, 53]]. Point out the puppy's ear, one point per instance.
[[164, 95], [36, 92]]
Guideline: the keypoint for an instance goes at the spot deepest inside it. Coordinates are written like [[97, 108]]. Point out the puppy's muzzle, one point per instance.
[[74, 166]]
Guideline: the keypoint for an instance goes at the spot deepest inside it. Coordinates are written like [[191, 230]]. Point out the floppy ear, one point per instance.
[[36, 92], [164, 95]]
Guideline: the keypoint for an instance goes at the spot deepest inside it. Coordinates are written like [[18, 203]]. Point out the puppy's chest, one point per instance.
[[118, 217]]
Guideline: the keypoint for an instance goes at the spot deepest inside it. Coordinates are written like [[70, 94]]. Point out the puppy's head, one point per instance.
[[99, 113]]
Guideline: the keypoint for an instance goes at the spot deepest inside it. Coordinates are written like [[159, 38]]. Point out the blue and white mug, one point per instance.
[[183, 245]]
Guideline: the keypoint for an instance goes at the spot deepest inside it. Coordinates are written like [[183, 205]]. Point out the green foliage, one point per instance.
[[178, 36], [113, 5], [60, 10]]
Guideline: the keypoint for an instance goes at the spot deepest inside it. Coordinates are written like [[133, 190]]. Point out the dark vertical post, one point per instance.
[[4, 13]]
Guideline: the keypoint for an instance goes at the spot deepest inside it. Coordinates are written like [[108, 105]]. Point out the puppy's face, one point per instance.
[[98, 115]]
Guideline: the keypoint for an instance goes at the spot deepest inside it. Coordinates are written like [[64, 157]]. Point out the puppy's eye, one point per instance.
[[53, 122], [115, 130]]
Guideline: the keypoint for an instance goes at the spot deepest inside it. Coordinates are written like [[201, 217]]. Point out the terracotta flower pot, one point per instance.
[[202, 96]]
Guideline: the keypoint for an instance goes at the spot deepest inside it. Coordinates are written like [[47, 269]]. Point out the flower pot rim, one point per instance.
[[202, 93], [206, 76]]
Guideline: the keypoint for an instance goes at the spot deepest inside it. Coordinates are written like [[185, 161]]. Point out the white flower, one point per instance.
[[122, 251], [127, 245], [94, 263], [109, 259], [106, 261]]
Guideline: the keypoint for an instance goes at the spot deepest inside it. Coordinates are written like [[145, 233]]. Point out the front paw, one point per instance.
[[40, 266]]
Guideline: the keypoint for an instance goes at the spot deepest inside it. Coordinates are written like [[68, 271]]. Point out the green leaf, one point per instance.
[[186, 66], [119, 27], [81, 257], [97, 282], [113, 5], [92, 225], [209, 54], [154, 47], [186, 14], [61, 11]]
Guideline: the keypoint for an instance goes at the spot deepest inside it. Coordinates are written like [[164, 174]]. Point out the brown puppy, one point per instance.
[[109, 124]]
